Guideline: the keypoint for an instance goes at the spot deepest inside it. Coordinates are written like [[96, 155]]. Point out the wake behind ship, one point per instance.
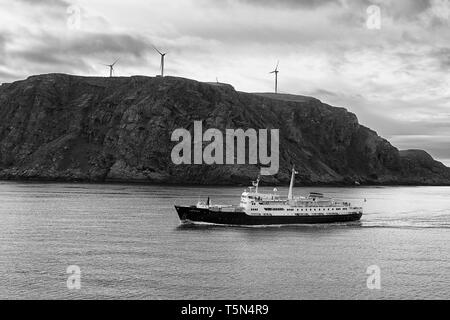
[[258, 208]]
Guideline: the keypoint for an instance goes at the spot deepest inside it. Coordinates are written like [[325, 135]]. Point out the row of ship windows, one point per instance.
[[269, 214], [282, 209], [262, 203]]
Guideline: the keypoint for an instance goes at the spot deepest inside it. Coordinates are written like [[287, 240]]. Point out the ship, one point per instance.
[[265, 209]]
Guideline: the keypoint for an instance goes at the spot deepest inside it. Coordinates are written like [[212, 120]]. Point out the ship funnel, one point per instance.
[[291, 186]]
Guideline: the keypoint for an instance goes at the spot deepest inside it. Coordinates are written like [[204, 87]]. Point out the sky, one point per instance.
[[387, 61]]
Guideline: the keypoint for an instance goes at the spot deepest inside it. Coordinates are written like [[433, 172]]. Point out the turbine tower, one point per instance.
[[111, 67], [276, 76], [162, 60]]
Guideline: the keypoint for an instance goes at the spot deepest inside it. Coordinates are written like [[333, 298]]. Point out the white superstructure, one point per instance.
[[271, 204]]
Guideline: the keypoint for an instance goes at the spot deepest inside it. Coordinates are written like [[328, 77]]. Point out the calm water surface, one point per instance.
[[129, 244]]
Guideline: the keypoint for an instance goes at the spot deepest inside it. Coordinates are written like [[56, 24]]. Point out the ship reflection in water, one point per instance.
[[128, 242]]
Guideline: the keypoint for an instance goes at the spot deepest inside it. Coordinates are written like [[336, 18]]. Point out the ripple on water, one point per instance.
[[128, 242]]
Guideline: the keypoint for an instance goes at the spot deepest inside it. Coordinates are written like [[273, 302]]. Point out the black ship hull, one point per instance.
[[240, 218]]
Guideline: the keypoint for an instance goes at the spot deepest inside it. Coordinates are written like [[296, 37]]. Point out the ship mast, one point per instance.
[[291, 186], [256, 184]]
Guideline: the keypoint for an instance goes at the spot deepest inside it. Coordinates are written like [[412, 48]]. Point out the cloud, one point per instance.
[[442, 55], [46, 3], [8, 76], [395, 79], [309, 4]]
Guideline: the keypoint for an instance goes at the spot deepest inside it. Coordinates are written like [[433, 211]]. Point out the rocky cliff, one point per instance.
[[62, 127]]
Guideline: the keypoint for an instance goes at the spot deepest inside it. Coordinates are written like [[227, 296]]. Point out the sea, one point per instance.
[[125, 241]]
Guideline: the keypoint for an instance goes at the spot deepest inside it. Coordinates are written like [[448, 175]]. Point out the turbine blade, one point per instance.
[[278, 62], [157, 50], [115, 62]]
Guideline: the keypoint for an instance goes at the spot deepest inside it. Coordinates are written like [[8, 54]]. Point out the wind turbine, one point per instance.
[[276, 76], [111, 67], [162, 60]]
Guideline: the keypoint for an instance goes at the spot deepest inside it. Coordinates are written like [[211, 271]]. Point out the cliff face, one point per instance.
[[63, 127]]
